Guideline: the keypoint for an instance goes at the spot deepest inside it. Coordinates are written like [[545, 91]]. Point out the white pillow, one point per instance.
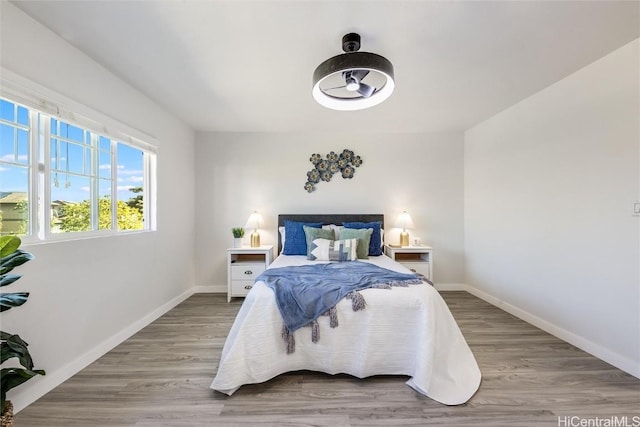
[[336, 229], [333, 250], [282, 236]]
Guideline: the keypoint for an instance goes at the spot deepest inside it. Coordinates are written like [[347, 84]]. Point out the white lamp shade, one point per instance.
[[404, 221], [255, 221]]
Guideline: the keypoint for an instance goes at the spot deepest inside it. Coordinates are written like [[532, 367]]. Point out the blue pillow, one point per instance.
[[295, 242], [375, 248]]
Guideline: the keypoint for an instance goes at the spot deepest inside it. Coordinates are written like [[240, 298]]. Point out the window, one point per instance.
[[61, 178], [130, 187], [14, 168]]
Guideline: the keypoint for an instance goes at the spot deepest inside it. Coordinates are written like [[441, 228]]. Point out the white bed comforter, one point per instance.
[[402, 331]]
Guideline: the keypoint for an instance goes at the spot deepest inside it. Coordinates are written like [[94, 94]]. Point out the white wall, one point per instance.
[[549, 189], [237, 173], [85, 292]]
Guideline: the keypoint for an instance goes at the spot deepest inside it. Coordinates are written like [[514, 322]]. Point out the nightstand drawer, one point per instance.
[[240, 288], [246, 271], [244, 265], [418, 267]]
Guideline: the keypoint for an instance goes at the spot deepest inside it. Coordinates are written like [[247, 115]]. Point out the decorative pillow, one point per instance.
[[375, 248], [296, 243], [364, 237], [333, 250], [336, 230], [312, 234], [282, 238]]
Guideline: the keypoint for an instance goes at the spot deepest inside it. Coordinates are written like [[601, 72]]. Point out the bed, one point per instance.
[[405, 330]]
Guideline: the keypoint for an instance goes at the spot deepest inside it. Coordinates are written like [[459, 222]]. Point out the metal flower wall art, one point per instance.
[[324, 168]]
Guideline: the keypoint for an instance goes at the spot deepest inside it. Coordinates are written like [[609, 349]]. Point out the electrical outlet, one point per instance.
[[636, 208]]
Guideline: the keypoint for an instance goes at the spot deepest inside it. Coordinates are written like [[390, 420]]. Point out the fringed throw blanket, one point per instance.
[[304, 293]]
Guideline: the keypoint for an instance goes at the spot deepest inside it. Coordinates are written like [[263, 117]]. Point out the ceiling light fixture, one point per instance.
[[338, 83]]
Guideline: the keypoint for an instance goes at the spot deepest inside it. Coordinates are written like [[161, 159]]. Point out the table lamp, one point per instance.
[[255, 222], [404, 221]]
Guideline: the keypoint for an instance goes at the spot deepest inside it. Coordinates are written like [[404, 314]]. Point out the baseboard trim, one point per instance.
[[629, 366], [54, 379], [208, 290], [450, 286]]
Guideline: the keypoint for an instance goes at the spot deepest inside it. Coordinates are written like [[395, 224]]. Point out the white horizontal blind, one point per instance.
[[32, 95]]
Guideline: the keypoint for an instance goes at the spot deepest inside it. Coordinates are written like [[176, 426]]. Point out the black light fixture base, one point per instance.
[[351, 42]]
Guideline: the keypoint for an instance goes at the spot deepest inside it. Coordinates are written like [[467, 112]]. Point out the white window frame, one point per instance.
[[43, 102]]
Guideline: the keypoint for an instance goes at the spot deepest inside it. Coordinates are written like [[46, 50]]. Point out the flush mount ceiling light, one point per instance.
[[353, 80]]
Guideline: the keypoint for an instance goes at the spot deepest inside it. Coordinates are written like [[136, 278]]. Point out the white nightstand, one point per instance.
[[243, 266], [418, 259]]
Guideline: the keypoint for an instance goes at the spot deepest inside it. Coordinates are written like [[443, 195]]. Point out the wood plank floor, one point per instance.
[[161, 377]]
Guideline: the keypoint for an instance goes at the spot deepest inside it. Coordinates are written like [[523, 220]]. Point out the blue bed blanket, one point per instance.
[[304, 293]]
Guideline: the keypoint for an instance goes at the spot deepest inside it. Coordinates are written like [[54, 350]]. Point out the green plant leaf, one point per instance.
[[14, 338], [12, 346], [25, 359], [13, 260], [15, 299], [13, 377], [8, 245], [7, 279], [16, 347]]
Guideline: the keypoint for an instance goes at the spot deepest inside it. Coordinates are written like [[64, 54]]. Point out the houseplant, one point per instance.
[[12, 346], [238, 234]]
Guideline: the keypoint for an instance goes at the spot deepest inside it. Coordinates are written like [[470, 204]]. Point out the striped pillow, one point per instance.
[[333, 250]]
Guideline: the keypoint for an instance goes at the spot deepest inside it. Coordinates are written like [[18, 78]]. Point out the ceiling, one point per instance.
[[247, 65]]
